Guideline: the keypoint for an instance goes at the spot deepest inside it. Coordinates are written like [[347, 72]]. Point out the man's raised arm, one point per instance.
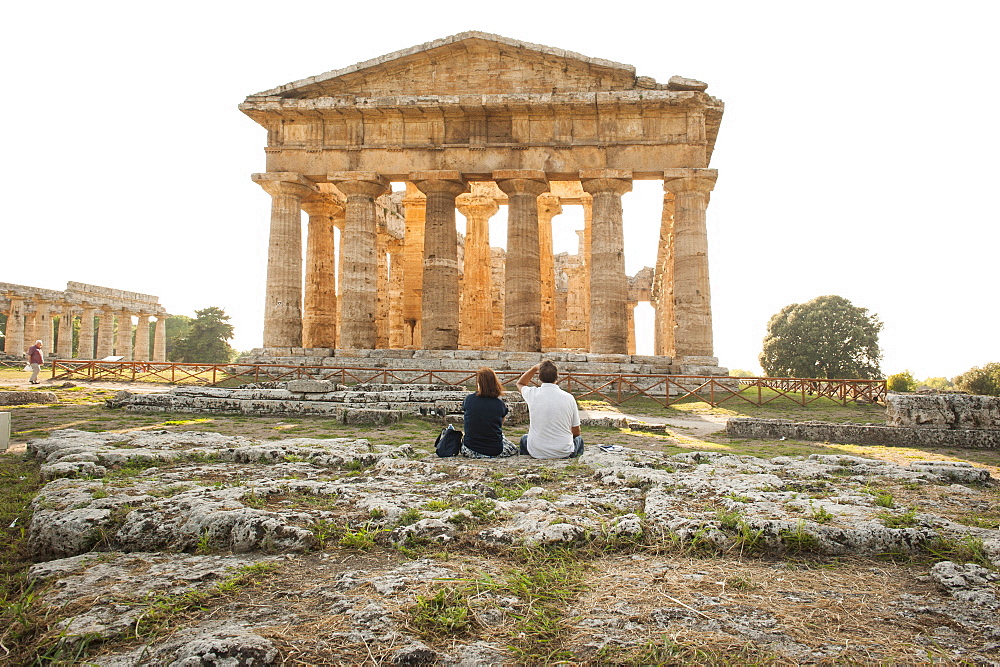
[[525, 379]]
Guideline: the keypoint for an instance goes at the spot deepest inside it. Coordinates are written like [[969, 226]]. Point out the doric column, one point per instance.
[[692, 296], [588, 224], [123, 336], [105, 334], [523, 298], [141, 348], [30, 327], [396, 328], [160, 338], [663, 283], [85, 347], [415, 211], [358, 296], [630, 311], [548, 208], [43, 323], [283, 294], [64, 349], [440, 299], [14, 340], [476, 327], [608, 283], [382, 290], [319, 317]]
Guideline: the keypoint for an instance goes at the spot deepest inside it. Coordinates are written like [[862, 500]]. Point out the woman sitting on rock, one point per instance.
[[484, 413]]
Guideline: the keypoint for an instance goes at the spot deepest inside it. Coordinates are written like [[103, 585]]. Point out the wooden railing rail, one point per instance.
[[615, 388]]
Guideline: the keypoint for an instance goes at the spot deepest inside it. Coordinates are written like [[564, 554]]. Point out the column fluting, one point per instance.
[[319, 317]]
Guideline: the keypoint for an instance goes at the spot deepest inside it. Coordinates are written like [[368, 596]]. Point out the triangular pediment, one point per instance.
[[470, 63]]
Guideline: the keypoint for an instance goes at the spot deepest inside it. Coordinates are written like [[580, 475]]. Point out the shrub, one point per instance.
[[983, 381], [901, 382]]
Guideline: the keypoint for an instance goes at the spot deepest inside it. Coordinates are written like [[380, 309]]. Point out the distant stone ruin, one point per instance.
[[936, 420], [30, 312]]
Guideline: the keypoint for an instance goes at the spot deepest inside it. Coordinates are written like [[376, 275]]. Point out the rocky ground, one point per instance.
[[158, 546]]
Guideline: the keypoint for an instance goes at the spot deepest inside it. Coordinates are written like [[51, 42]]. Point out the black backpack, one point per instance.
[[449, 442]]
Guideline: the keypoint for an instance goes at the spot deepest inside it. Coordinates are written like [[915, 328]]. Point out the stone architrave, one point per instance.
[[358, 296], [105, 334], [14, 341], [64, 348], [608, 283], [663, 283], [396, 328], [283, 295], [523, 296], [160, 338], [85, 347], [548, 208], [319, 317], [477, 296], [439, 310], [141, 347], [692, 296], [415, 212]]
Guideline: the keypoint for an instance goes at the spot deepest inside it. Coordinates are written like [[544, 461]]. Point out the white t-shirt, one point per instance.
[[552, 414]]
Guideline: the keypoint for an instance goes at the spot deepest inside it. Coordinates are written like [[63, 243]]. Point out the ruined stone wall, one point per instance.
[[862, 434], [943, 411]]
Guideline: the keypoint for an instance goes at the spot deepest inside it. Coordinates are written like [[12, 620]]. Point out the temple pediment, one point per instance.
[[473, 63]]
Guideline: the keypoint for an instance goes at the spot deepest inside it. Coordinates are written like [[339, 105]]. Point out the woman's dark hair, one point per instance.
[[547, 372], [487, 383]]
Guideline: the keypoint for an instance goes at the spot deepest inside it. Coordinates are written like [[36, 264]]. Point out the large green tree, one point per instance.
[[828, 337], [206, 340], [983, 381]]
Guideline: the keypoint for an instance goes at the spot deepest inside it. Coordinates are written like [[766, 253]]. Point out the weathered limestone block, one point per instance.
[[953, 411], [311, 386], [26, 397], [746, 427]]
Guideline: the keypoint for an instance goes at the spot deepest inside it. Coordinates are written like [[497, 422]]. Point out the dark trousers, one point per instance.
[[577, 444]]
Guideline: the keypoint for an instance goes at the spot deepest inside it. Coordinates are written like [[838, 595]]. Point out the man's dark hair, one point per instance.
[[547, 372]]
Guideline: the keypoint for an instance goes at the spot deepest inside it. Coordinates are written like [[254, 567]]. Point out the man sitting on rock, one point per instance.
[[554, 421]]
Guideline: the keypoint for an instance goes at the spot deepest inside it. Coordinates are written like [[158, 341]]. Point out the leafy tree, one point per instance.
[[901, 382], [206, 341], [937, 383], [178, 328], [983, 381], [828, 337]]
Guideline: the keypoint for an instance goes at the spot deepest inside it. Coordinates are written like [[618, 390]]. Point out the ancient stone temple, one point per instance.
[[470, 123], [105, 314]]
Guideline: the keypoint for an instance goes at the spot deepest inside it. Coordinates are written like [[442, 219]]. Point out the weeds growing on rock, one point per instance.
[[362, 539], [966, 549], [798, 538], [904, 520]]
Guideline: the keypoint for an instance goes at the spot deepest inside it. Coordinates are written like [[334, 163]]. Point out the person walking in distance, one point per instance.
[[35, 360], [554, 421]]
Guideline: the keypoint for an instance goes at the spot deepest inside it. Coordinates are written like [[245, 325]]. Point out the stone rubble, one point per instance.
[[125, 516]]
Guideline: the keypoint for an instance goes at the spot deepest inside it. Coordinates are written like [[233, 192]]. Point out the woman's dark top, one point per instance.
[[484, 424]]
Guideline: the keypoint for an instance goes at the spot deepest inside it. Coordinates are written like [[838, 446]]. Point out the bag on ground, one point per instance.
[[448, 442]]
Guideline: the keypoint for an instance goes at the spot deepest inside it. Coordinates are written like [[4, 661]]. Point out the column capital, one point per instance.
[[676, 181], [449, 182], [284, 183], [603, 181], [476, 205], [521, 181], [366, 183], [549, 204], [322, 204]]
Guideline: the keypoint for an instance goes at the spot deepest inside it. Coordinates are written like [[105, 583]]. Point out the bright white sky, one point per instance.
[[857, 156]]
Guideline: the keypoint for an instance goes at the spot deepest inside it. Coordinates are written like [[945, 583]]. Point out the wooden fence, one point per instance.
[[615, 388]]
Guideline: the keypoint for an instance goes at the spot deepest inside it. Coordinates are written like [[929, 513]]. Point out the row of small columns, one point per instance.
[[285, 326], [24, 327]]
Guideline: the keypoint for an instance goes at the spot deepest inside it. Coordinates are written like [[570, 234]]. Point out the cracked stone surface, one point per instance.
[[129, 519]]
